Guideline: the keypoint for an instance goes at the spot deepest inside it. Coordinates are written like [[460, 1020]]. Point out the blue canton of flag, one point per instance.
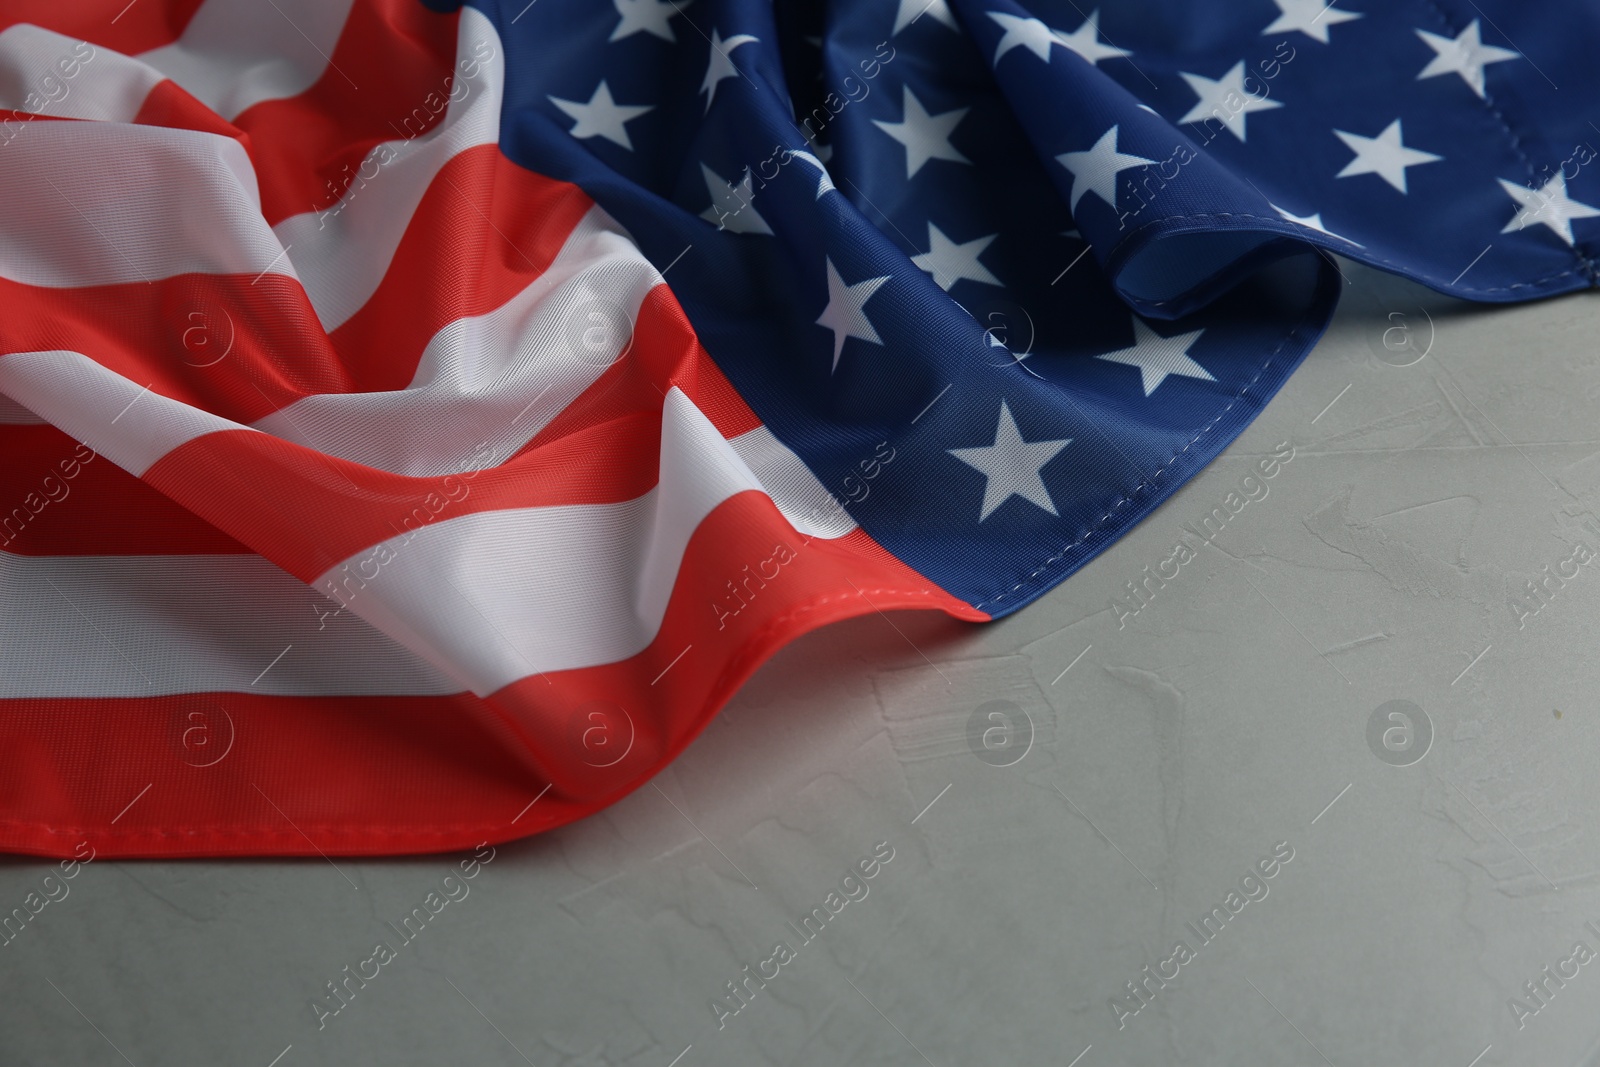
[[1059, 260]]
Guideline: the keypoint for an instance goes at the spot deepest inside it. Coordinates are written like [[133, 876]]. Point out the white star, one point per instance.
[[911, 10], [925, 136], [1384, 155], [1031, 34], [1215, 97], [601, 116], [949, 262], [644, 16], [846, 313], [1159, 357], [1085, 40], [1096, 170], [1464, 54], [731, 208], [1549, 205], [1037, 38], [719, 64], [1310, 17], [1312, 221], [824, 179], [1011, 466]]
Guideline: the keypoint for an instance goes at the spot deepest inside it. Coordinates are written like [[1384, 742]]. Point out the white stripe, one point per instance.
[[48, 73], [496, 596], [129, 626], [126, 422], [495, 379], [343, 253], [135, 427], [804, 501], [478, 596], [235, 53], [100, 203]]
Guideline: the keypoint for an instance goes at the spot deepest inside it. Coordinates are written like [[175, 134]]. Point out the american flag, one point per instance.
[[419, 418]]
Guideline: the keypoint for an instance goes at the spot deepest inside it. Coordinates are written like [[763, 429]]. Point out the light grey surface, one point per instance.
[[1176, 752]]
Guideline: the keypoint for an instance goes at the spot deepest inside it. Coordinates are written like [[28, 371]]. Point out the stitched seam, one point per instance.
[[1281, 227], [1517, 140], [1127, 497], [756, 641]]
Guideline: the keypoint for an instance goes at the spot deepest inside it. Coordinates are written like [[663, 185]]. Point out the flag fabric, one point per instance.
[[420, 418]]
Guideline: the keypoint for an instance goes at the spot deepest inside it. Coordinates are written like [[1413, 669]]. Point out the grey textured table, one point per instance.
[[1065, 796]]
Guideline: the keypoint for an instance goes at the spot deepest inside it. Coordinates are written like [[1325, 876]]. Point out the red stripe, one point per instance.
[[264, 490], [58, 498], [333, 764], [606, 451], [485, 230], [369, 775], [169, 104], [171, 332], [391, 69]]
